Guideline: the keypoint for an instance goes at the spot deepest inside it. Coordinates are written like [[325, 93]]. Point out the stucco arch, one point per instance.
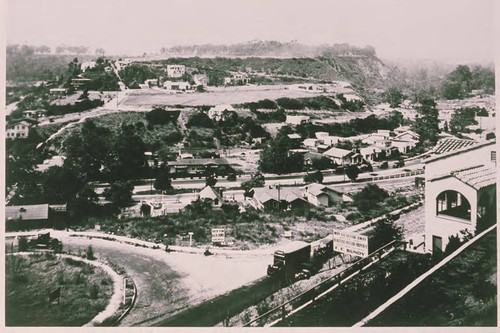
[[453, 203]]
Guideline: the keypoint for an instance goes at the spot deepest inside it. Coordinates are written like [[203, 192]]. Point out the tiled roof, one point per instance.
[[448, 145], [477, 177], [27, 212], [466, 147]]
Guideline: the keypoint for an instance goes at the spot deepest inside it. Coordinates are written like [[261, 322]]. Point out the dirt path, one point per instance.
[[170, 282]]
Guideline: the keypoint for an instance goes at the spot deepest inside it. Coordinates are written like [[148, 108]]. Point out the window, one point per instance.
[[494, 156], [453, 203]]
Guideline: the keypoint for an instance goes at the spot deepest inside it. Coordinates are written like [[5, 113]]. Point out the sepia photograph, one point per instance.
[[228, 164]]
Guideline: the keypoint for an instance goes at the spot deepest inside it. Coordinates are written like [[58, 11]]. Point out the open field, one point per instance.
[[213, 96], [85, 291]]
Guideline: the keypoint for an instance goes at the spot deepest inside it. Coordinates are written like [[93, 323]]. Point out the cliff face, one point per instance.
[[360, 66]]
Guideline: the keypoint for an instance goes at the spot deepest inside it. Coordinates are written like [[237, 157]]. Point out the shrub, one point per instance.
[[94, 291], [23, 244], [200, 119], [89, 254]]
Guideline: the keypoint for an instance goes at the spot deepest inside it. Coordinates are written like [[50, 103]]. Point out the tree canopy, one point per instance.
[[426, 123]]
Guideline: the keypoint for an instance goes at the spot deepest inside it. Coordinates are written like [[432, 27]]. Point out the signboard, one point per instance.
[[218, 235], [350, 243]]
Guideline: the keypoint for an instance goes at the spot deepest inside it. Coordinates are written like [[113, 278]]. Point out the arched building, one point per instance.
[[460, 193]]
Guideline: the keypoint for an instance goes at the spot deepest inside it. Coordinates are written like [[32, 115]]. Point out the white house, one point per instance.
[[460, 191], [200, 80], [209, 193], [342, 156], [315, 195], [17, 130], [320, 135], [297, 120], [34, 114], [176, 85], [407, 135], [176, 71], [237, 79], [87, 65], [311, 143], [121, 64], [217, 111], [404, 146]]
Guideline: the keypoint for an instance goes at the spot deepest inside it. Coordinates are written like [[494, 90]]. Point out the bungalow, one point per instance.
[[209, 193], [176, 71], [237, 79], [18, 130], [200, 80], [311, 143], [322, 195], [274, 199], [329, 140], [34, 114], [297, 120], [199, 167], [176, 85], [403, 146], [408, 135], [217, 112], [315, 195], [342, 156]]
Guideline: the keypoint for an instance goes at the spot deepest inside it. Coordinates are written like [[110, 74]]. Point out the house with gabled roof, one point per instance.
[[278, 198], [210, 193], [342, 156]]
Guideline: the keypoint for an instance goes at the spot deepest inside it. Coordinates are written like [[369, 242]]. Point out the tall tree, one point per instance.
[[276, 158], [462, 118], [162, 181], [394, 96], [426, 123], [120, 193], [129, 160]]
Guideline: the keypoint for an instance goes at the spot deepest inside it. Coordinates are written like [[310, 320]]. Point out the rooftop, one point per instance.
[[465, 147], [448, 145], [199, 161], [477, 177], [27, 212], [337, 152]]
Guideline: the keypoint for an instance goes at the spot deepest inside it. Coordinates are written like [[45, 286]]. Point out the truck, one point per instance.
[[290, 259], [44, 241]]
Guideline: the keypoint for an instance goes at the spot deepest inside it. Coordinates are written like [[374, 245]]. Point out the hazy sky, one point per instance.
[[454, 30]]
